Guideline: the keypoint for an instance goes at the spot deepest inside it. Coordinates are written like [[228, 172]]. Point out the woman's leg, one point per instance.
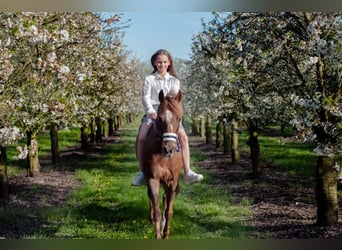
[[189, 175], [183, 139]]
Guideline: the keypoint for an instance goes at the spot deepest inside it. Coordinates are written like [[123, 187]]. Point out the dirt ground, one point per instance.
[[283, 207]]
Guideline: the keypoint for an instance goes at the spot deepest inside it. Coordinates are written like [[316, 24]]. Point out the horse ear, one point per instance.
[[179, 96], [161, 96]]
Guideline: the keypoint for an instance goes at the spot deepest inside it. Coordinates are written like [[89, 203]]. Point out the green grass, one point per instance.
[[296, 158], [66, 138], [108, 207]]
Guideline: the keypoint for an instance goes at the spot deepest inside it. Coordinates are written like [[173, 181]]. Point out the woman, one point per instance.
[[163, 78]]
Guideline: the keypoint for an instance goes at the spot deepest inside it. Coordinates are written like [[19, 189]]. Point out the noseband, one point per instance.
[[170, 137]]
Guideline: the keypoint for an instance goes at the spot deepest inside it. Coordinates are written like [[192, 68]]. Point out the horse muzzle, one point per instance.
[[169, 144]]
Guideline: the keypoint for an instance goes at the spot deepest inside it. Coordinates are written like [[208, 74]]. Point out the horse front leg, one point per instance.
[[151, 212], [155, 215], [164, 213], [168, 211]]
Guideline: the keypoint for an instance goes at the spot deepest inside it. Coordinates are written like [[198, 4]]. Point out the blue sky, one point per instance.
[[150, 31]]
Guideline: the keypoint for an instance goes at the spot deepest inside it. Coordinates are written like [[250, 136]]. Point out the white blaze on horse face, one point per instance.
[[168, 114]]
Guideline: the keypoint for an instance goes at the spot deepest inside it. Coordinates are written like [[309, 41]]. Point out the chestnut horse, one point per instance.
[[163, 162]]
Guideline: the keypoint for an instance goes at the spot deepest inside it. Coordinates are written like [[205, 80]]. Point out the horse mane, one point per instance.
[[173, 104]]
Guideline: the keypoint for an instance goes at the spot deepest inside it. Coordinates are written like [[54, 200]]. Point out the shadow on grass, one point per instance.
[[188, 225], [109, 214], [109, 155]]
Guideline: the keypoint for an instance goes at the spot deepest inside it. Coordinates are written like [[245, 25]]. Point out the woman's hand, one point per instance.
[[154, 116]]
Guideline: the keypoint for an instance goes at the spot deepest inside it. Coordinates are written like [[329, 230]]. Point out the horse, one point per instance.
[[163, 162]]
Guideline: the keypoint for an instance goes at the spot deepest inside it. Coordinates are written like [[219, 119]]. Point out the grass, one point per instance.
[[295, 157], [66, 138], [108, 207]]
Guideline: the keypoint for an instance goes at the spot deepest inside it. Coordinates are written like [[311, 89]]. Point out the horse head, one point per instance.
[[170, 114]]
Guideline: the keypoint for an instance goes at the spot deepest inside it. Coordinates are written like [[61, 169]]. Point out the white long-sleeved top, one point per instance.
[[151, 87]]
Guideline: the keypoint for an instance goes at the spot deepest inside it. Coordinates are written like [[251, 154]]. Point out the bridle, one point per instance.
[[166, 136], [170, 137]]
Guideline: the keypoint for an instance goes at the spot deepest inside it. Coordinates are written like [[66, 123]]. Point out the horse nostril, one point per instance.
[[167, 151]]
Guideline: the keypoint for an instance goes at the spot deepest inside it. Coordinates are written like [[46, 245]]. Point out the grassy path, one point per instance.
[[109, 207], [89, 196]]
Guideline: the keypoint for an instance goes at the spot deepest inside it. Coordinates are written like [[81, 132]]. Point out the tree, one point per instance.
[[309, 46], [232, 78], [60, 70], [285, 59], [35, 87], [9, 133]]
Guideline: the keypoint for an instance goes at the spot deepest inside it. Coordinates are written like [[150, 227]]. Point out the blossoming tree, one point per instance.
[[292, 60], [59, 70]]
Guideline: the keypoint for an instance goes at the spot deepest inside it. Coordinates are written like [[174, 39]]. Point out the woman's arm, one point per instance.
[[146, 97]]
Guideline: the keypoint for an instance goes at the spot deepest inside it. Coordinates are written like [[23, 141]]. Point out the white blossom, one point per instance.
[[313, 60], [9, 135], [23, 152]]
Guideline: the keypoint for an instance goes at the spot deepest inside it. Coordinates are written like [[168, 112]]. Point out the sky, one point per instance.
[[173, 31]]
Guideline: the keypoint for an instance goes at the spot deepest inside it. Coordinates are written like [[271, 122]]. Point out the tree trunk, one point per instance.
[[202, 127], [33, 165], [105, 128], [208, 132], [84, 138], [98, 130], [235, 141], [227, 145], [110, 127], [219, 133], [116, 123], [194, 127], [130, 118], [127, 119], [121, 120], [4, 185], [54, 143], [92, 132], [326, 191], [255, 152], [282, 129]]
